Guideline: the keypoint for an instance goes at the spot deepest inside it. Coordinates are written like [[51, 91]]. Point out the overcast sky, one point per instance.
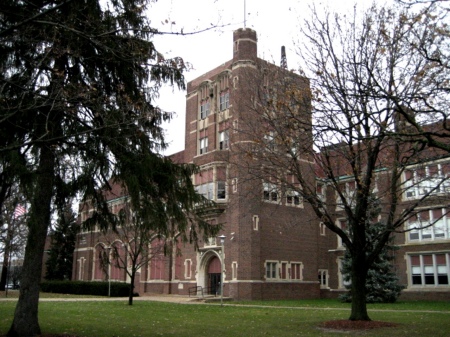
[[275, 22]]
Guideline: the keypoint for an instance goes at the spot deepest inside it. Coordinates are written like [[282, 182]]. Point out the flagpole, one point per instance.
[[245, 16], [8, 274], [10, 239]]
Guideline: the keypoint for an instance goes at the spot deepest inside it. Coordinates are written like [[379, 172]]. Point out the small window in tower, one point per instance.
[[204, 109], [235, 126], [255, 219], [224, 100], [224, 140], [322, 229], [203, 145], [234, 185]]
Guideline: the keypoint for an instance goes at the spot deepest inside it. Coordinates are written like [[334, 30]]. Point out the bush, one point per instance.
[[118, 289]]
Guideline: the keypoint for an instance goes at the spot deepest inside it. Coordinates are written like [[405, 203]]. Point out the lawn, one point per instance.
[[286, 318]]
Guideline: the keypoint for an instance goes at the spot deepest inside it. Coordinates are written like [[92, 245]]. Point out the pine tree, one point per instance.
[[382, 283], [78, 82], [63, 238]]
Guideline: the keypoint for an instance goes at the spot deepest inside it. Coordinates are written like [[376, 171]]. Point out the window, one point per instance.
[[342, 224], [224, 140], [323, 278], [235, 126], [187, 268], [211, 241], [203, 145], [224, 100], [293, 198], [204, 109], [255, 220], [234, 266], [342, 281], [82, 239], [284, 270], [270, 192], [157, 261], [429, 179], [211, 183], [322, 229], [117, 258], [81, 263], [429, 269], [221, 190], [320, 191], [269, 141], [235, 185], [348, 193], [206, 190], [271, 270], [429, 225], [296, 270]]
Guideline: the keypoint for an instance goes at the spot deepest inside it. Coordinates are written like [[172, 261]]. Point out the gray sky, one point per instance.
[[276, 24]]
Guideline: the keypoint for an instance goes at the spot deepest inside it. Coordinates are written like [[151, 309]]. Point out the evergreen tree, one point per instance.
[[382, 282], [63, 239], [78, 80]]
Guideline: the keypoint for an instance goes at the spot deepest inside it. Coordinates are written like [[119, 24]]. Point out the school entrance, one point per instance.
[[214, 276]]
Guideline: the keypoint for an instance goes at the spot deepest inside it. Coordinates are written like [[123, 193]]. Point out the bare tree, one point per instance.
[[132, 246], [354, 145], [420, 91]]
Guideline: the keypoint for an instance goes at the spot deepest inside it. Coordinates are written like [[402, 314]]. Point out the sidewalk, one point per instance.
[[156, 297]]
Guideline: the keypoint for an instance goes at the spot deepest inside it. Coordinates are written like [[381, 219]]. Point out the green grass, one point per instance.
[[147, 318], [332, 303]]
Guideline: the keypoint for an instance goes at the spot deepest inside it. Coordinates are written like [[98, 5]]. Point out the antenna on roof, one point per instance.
[[245, 15], [283, 63]]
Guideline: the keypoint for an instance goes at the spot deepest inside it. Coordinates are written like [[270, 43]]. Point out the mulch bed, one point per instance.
[[347, 325]]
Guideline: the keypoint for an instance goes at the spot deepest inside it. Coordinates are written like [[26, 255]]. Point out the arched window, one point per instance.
[[100, 263]]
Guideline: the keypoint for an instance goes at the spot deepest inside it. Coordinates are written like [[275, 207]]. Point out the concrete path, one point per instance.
[[158, 298]]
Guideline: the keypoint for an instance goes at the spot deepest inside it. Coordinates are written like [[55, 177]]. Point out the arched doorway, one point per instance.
[[214, 276]]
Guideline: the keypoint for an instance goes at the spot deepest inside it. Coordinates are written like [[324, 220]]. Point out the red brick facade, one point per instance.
[[271, 250]]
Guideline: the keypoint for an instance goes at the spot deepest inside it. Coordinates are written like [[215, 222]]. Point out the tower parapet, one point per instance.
[[244, 45]]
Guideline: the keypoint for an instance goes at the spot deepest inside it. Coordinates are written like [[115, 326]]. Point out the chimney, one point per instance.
[[283, 63]]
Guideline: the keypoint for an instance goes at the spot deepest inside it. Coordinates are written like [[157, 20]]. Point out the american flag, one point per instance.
[[19, 211]]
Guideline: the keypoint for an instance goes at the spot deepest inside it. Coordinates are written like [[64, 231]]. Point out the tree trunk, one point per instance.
[[359, 275], [25, 321], [130, 294]]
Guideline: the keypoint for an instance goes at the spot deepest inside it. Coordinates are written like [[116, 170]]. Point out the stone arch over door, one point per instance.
[[209, 261]]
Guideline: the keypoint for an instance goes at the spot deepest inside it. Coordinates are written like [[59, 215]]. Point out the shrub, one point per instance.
[[118, 289]]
